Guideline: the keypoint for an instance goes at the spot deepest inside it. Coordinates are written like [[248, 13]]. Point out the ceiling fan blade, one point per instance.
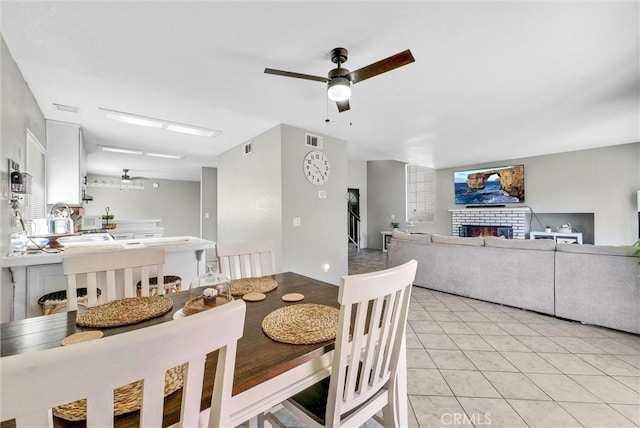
[[382, 66], [296, 75], [343, 105]]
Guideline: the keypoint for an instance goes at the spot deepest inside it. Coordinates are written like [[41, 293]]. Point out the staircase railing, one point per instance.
[[354, 228]]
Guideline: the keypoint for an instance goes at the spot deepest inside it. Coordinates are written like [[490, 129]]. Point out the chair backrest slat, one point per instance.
[[248, 259], [33, 383]]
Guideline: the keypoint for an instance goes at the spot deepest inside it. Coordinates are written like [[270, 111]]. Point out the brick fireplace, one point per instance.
[[475, 231], [490, 217]]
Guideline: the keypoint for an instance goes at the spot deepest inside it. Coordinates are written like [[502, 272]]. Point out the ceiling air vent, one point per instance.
[[247, 149], [313, 141]]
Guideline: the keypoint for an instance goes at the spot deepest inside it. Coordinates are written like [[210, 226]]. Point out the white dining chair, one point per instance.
[[366, 373], [246, 259], [33, 383], [91, 267]]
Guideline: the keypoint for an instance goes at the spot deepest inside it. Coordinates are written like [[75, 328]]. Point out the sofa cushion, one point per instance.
[[522, 244], [607, 250], [456, 240], [411, 236]]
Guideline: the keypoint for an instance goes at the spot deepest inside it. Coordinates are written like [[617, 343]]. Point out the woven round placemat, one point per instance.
[[302, 324], [127, 398], [240, 287], [125, 311]]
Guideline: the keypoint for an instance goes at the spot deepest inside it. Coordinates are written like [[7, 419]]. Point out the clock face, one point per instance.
[[316, 167]]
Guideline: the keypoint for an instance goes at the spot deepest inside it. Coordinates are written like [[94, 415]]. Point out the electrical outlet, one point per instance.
[[322, 194]]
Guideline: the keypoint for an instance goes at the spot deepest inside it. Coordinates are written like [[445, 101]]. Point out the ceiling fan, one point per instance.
[[126, 178], [339, 79]]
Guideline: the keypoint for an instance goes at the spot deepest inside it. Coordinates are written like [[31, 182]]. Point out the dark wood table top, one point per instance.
[[258, 358]]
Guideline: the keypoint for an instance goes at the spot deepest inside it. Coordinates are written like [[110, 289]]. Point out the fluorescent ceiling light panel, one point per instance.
[[133, 119], [63, 107], [163, 155], [120, 150], [136, 119], [138, 152], [192, 130]]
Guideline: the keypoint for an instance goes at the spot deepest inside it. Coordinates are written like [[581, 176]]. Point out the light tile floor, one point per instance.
[[479, 364], [473, 363]]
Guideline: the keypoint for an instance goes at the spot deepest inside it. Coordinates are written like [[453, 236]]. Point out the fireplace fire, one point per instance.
[[480, 231]]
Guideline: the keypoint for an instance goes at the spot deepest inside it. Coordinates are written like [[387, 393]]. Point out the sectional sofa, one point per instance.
[[592, 284]]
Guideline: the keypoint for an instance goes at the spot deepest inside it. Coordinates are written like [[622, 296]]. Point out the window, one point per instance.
[[34, 204], [421, 193]]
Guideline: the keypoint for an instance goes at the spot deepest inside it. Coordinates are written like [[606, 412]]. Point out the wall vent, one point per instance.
[[247, 148], [313, 141]]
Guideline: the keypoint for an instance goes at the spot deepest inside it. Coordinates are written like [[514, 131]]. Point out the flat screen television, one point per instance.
[[490, 186]]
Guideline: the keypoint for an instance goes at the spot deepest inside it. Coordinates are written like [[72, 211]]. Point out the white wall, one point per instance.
[[602, 181], [386, 198], [357, 179], [322, 237], [250, 192], [260, 194], [175, 202], [209, 207], [19, 112]]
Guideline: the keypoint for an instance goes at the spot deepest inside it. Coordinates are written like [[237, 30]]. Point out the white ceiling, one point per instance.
[[492, 80]]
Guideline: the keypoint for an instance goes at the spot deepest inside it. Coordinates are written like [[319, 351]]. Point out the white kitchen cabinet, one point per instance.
[[66, 162], [147, 235], [121, 235], [136, 228]]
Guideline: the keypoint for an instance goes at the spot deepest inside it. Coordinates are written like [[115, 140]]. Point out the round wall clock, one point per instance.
[[316, 167]]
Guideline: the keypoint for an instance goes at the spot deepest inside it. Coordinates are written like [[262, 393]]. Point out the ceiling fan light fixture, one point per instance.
[[125, 177], [339, 89]]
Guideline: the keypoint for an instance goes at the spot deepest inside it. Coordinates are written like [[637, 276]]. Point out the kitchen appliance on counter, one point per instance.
[[62, 225], [91, 222], [39, 227], [61, 218]]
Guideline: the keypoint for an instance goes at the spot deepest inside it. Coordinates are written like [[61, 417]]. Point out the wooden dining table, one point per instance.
[[266, 372]]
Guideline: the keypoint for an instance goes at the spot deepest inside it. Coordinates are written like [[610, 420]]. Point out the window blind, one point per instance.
[[35, 203]]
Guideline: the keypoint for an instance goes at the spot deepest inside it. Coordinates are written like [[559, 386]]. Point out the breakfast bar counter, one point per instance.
[[39, 273]]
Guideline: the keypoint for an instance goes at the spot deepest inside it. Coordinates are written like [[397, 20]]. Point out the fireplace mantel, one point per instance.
[[502, 216]]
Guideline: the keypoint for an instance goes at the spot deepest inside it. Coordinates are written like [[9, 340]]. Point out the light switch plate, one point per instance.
[[297, 222]]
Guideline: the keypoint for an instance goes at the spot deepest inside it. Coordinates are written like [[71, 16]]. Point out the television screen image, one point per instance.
[[490, 186]]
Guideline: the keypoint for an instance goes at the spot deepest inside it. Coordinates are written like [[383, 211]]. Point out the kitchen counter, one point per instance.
[[136, 228], [170, 244], [37, 274]]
